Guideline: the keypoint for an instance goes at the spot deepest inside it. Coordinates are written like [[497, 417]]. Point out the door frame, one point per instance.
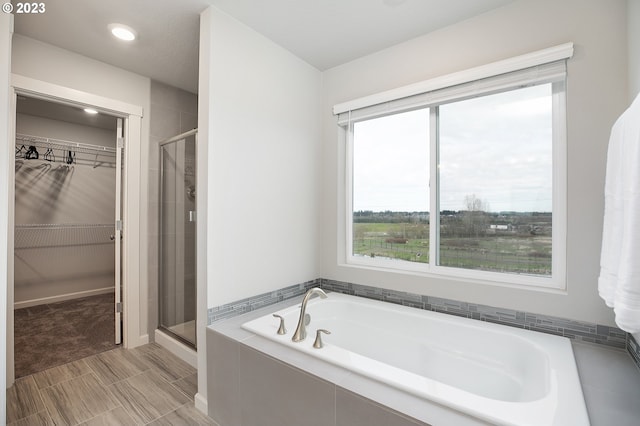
[[117, 233], [131, 196]]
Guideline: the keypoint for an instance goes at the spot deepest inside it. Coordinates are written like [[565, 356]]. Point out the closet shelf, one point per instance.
[[40, 142], [54, 235]]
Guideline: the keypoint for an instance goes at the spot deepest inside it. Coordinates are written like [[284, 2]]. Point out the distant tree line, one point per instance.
[[503, 217], [471, 223], [388, 216]]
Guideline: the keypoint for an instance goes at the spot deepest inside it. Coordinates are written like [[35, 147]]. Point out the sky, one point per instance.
[[496, 147]]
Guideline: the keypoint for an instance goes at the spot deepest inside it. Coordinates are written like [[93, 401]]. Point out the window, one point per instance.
[[465, 181], [391, 187], [495, 178]]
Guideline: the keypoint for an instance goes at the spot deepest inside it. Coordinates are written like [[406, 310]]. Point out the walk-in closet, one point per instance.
[[64, 240]]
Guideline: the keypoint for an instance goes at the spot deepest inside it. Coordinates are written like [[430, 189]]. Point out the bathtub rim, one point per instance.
[[535, 343], [384, 394]]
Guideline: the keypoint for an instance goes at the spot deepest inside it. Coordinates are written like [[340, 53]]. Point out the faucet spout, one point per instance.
[[301, 330]]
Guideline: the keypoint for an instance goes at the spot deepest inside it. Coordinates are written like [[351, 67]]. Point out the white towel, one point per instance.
[[619, 281]]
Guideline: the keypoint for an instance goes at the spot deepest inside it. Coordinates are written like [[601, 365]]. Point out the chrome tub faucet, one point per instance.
[[301, 330]]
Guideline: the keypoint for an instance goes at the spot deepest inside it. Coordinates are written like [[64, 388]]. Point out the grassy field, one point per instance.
[[500, 252]]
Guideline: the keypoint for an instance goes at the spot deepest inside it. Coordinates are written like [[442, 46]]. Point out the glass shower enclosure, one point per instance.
[[177, 238]]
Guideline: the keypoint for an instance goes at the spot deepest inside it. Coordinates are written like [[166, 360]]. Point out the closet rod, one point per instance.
[[61, 144], [64, 225]]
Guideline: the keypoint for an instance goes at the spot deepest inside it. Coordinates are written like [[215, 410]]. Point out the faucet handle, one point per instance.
[[318, 343], [281, 329]]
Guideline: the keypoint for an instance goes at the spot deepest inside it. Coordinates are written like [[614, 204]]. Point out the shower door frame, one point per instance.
[[174, 139], [131, 193]]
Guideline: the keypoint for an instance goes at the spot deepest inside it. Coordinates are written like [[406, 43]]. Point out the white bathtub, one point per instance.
[[497, 374]]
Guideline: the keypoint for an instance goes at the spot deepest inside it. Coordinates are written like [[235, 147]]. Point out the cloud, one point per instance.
[[497, 147]]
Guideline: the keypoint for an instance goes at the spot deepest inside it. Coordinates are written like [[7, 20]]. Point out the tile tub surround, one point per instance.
[[575, 330], [503, 375], [253, 381], [607, 398], [579, 331], [610, 384], [249, 304], [261, 390]]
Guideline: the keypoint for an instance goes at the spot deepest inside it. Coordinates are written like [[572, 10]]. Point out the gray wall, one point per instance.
[[633, 28], [597, 94]]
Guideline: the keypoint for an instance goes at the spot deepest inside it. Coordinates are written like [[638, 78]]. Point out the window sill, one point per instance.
[[513, 281]]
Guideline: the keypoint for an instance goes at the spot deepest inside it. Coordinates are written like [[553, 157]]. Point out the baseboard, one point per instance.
[[177, 348], [135, 341], [201, 403], [62, 297]]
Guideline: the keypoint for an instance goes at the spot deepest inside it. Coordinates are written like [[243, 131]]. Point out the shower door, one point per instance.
[[177, 237]]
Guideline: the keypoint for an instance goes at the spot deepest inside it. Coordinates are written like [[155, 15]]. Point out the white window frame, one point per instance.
[[400, 100]]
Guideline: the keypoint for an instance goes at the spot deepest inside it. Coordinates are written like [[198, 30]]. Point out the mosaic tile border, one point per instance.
[[576, 330], [249, 304]]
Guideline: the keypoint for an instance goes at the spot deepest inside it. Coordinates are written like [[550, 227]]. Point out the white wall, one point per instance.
[[45, 62], [6, 28], [258, 169], [41, 61], [205, 100], [263, 185], [597, 94], [633, 28]]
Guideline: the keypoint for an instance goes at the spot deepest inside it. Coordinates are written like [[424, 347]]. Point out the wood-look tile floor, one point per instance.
[[142, 386]]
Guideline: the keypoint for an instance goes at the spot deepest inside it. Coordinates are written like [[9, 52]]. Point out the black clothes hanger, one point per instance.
[[20, 152], [70, 157], [49, 155], [32, 153]]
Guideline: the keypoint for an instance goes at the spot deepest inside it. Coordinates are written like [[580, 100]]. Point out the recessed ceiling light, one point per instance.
[[122, 32], [90, 111]]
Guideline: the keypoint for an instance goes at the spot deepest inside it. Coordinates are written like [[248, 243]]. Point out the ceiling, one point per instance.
[[324, 33], [166, 49], [328, 33]]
